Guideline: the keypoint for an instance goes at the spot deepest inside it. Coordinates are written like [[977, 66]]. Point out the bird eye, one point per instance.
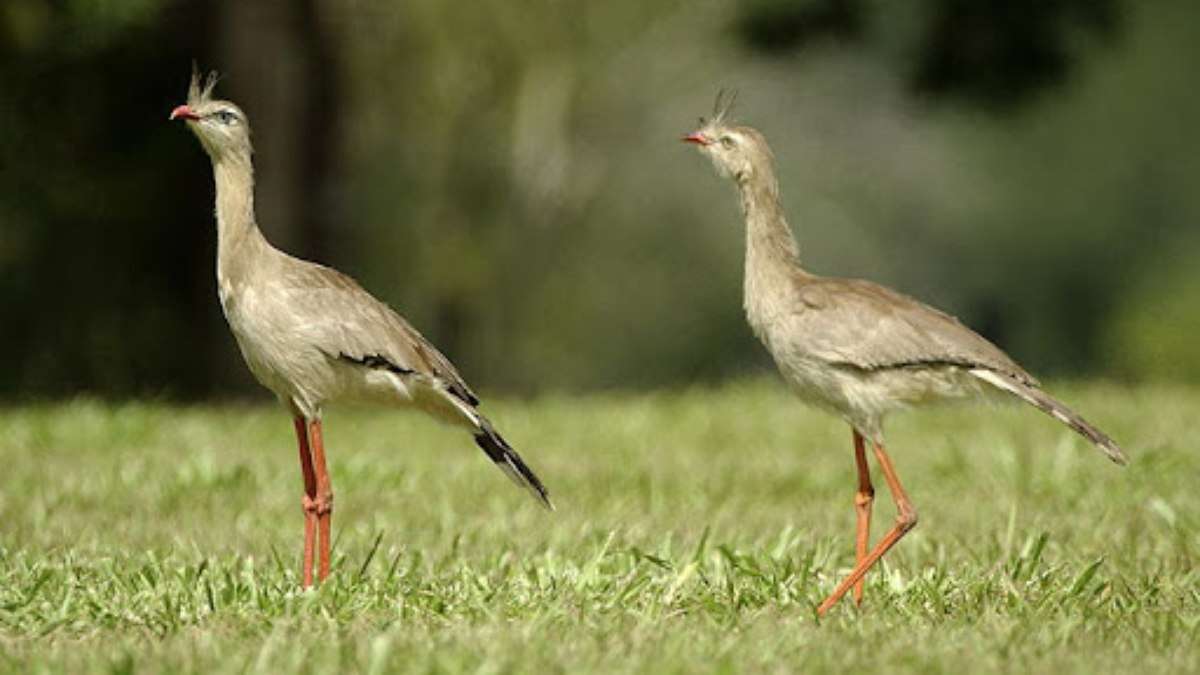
[[727, 141], [226, 116]]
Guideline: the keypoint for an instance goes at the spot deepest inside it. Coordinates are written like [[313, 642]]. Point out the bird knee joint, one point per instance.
[[325, 502], [864, 497], [319, 505], [906, 519]]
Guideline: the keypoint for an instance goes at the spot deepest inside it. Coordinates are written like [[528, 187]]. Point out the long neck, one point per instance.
[[238, 236], [772, 257], [769, 240]]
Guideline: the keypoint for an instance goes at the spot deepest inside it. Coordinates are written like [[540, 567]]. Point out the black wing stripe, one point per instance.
[[965, 364], [376, 361], [380, 362]]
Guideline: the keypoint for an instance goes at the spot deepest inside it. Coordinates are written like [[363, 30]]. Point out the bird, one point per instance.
[[854, 348], [313, 335]]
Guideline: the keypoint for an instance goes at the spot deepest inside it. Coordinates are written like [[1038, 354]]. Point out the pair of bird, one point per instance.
[[312, 335]]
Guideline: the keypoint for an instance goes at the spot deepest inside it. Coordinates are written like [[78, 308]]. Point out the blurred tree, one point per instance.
[[95, 259], [107, 245], [778, 26], [994, 53], [1000, 53]]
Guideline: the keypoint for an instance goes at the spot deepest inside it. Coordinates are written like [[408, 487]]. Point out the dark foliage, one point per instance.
[[992, 53]]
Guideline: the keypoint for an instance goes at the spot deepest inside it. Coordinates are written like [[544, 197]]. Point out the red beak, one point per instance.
[[697, 138], [184, 112]]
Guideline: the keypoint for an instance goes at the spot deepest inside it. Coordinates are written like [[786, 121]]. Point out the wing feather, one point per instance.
[[347, 322], [870, 327]]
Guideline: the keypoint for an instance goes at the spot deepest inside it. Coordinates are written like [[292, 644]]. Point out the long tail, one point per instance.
[[510, 462], [1044, 402]]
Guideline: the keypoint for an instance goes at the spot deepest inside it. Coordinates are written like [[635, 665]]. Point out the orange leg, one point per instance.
[[862, 505], [324, 497], [309, 501], [906, 519]]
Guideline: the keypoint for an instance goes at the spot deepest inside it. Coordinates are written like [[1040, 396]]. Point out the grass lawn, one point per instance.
[[695, 532]]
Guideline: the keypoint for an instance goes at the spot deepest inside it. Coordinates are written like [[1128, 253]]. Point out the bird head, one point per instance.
[[739, 152], [220, 125]]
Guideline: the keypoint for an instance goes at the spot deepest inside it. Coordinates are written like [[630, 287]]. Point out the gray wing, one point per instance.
[[870, 327], [350, 324]]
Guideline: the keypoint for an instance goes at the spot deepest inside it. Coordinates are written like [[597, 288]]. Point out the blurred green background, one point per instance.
[[508, 175]]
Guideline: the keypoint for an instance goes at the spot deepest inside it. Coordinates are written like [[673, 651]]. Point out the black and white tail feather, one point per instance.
[[510, 462], [460, 397], [498, 449], [457, 394], [1044, 402]]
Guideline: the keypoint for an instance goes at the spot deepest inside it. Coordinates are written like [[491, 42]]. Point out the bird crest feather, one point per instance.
[[722, 109], [201, 87]]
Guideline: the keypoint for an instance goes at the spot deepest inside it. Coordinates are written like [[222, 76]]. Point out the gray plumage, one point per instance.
[[309, 333], [850, 346]]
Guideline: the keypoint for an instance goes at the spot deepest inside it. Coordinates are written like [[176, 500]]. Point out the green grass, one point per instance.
[[695, 532]]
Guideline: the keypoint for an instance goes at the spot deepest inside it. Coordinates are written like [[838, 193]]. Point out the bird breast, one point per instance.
[[767, 304], [273, 344]]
